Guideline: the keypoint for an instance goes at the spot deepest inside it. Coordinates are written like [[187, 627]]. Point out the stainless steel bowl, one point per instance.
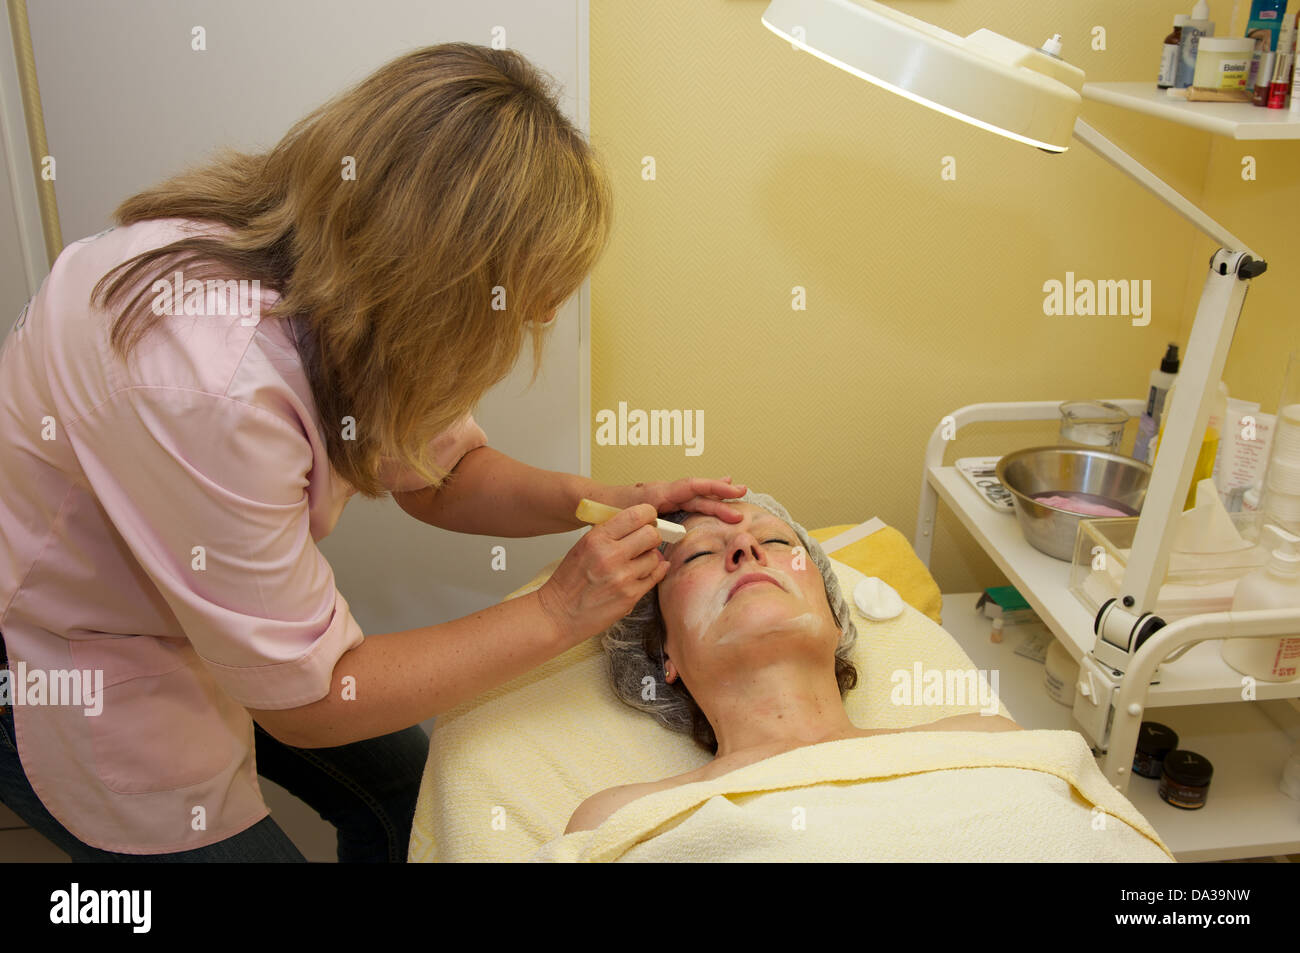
[[1113, 477]]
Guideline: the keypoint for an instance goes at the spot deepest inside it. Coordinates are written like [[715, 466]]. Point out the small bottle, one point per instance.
[[1169, 58], [1198, 26], [1157, 392], [1266, 61], [1279, 91]]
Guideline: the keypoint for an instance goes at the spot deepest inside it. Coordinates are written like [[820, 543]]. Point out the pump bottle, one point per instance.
[[1275, 586]]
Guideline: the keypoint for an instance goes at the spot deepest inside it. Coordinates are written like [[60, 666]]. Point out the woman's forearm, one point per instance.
[[399, 679], [491, 494]]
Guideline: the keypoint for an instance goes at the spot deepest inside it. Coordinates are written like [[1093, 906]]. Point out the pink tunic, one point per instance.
[[158, 525]]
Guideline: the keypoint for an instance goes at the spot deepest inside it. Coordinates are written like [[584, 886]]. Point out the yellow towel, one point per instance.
[[888, 555], [922, 796]]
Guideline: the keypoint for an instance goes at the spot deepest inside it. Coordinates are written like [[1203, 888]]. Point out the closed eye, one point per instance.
[[703, 552]]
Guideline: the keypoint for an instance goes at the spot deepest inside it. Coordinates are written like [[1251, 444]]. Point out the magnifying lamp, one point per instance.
[[1026, 94]]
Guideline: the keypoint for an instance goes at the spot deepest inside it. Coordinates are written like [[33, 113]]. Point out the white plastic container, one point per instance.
[[1288, 431], [1276, 586], [1285, 507], [1284, 475], [1223, 62]]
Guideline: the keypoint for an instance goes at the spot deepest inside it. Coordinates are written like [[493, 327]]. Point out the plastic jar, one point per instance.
[[1185, 781], [1223, 62], [1154, 743]]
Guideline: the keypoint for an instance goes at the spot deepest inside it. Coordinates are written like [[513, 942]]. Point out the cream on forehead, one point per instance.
[[715, 522]]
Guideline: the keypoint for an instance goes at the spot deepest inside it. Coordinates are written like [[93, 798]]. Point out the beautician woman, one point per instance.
[[174, 452]]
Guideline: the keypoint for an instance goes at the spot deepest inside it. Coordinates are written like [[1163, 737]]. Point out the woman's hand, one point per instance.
[[604, 575], [694, 494]]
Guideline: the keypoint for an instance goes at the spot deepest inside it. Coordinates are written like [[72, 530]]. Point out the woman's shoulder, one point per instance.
[[594, 811]]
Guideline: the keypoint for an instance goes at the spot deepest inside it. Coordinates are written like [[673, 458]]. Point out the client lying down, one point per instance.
[[745, 647]]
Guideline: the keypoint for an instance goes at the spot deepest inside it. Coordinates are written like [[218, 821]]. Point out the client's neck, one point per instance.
[[789, 704]]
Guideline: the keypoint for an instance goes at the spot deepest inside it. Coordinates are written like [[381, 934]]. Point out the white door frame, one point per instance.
[[18, 162]]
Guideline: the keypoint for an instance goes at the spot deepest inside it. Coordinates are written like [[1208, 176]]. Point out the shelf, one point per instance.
[[1199, 677], [1245, 814], [1234, 120]]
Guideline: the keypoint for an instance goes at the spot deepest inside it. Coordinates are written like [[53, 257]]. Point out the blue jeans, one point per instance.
[[367, 790]]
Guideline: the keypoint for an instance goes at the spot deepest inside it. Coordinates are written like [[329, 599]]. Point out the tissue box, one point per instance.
[[1101, 551]]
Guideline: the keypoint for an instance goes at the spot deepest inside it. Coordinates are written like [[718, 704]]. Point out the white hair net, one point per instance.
[[634, 644]]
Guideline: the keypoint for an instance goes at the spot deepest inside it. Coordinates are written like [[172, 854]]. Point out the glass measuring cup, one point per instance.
[[1093, 423]]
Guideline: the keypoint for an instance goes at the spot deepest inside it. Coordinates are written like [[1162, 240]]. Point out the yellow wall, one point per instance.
[[775, 170]]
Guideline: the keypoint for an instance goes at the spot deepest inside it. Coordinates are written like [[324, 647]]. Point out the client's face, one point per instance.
[[743, 589]]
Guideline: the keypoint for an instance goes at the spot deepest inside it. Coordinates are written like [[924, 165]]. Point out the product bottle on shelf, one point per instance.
[[1279, 91], [1198, 26], [1153, 413], [1169, 57], [1204, 469]]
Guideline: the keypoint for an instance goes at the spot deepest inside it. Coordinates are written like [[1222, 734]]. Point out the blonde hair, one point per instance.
[[470, 187]]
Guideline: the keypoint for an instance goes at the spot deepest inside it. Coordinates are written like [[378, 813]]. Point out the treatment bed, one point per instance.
[[506, 771]]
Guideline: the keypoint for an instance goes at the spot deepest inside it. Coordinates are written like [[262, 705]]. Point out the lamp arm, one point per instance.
[[1218, 312], [1117, 157]]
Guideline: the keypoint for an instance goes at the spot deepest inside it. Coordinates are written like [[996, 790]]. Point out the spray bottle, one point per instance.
[[1276, 586], [1200, 25], [1157, 393]]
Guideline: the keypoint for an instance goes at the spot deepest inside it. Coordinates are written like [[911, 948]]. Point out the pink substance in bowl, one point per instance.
[[1083, 507]]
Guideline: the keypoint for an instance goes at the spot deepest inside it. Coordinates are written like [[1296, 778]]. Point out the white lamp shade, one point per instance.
[[984, 79]]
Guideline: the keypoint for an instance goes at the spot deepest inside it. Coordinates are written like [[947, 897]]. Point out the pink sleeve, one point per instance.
[[210, 496], [448, 447]]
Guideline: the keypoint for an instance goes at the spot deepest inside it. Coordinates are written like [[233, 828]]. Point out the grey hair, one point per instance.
[[634, 646]]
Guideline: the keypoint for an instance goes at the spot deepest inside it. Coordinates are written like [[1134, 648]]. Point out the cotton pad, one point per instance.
[[877, 600]]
